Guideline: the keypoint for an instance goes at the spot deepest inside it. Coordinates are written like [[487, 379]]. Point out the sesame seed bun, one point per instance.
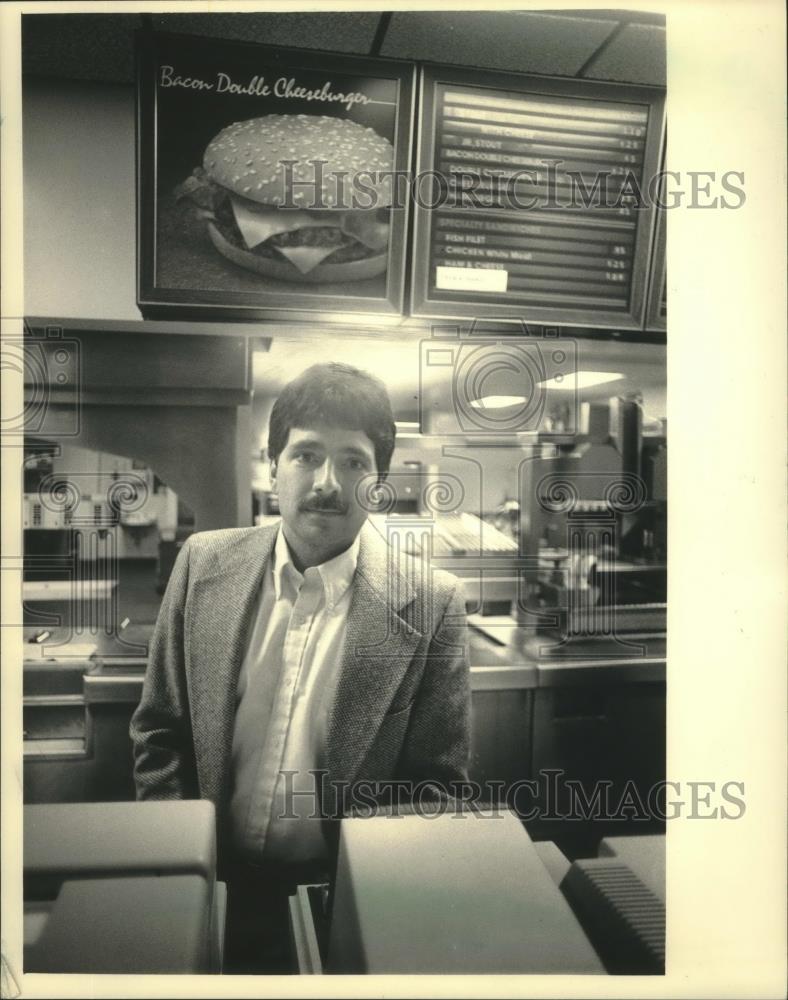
[[246, 158]]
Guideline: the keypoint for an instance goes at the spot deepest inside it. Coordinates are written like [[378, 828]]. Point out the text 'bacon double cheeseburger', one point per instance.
[[252, 168]]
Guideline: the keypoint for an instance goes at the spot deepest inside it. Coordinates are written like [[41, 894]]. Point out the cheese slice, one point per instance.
[[305, 258], [259, 225]]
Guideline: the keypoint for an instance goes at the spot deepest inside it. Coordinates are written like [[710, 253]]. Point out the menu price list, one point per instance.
[[540, 196]]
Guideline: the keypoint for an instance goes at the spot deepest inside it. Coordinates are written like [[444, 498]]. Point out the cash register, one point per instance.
[[472, 893], [131, 888], [122, 887]]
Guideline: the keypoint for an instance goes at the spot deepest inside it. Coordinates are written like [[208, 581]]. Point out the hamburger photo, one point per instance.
[[259, 177]]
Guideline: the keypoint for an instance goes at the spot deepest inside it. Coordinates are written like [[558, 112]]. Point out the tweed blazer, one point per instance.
[[401, 708]]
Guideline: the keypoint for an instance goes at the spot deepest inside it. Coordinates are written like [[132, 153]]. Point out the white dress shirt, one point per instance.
[[285, 689]]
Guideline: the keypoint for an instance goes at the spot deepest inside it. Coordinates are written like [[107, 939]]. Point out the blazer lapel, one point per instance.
[[379, 647], [224, 600]]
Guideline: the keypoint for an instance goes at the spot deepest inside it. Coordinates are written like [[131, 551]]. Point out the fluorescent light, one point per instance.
[[580, 380], [497, 402]]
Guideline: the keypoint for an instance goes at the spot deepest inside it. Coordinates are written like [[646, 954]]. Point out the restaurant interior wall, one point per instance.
[[178, 443]]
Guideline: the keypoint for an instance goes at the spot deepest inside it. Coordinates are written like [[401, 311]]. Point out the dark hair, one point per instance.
[[335, 395]]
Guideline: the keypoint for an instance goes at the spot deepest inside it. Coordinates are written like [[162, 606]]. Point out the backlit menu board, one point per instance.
[[264, 180], [533, 198]]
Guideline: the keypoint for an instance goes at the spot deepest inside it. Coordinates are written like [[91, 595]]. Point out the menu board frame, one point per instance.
[[655, 320], [157, 300], [428, 305]]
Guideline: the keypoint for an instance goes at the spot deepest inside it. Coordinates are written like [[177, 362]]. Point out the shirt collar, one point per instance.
[[336, 575]]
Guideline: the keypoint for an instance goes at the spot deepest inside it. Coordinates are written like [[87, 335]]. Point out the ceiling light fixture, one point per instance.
[[497, 402], [408, 428], [579, 380]]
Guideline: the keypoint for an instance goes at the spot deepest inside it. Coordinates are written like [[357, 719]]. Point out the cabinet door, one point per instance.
[[601, 750], [500, 746]]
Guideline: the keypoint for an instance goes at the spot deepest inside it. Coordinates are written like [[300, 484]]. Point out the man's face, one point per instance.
[[316, 476]]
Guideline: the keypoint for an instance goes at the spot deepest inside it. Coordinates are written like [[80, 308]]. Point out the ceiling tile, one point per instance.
[[637, 55], [519, 41], [101, 46], [335, 31], [80, 46]]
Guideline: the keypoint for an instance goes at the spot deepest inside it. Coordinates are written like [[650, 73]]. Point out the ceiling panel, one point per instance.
[[636, 55], [80, 46], [101, 46], [336, 31], [519, 41]]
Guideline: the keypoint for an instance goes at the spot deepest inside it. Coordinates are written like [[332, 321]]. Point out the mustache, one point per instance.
[[330, 504]]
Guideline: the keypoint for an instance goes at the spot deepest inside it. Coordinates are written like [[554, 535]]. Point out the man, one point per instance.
[[291, 663]]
